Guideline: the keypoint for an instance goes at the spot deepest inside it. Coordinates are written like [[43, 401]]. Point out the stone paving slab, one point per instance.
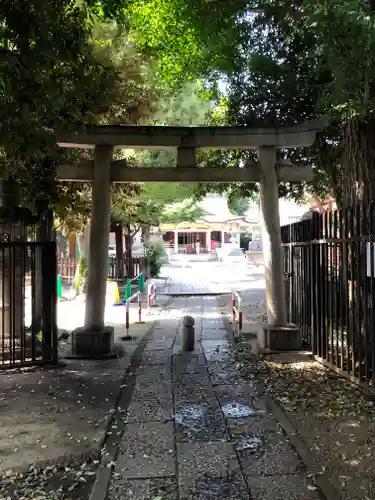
[[193, 387], [147, 450], [223, 374], [159, 357], [240, 428], [209, 470], [213, 335], [178, 349], [164, 488], [146, 411], [197, 429], [154, 375], [243, 389], [153, 395], [156, 372], [184, 362], [160, 343], [221, 353], [201, 421]]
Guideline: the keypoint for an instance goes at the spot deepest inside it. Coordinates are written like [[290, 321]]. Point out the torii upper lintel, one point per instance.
[[157, 137]]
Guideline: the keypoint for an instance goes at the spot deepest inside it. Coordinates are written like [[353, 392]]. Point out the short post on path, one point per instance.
[[188, 333]]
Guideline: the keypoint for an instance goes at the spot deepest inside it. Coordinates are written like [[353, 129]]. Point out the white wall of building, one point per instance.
[[291, 212]]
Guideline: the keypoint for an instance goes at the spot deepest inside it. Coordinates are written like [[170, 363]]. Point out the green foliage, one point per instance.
[[155, 204], [59, 67], [49, 75], [302, 60], [156, 256], [189, 105], [281, 82], [81, 278], [245, 239], [158, 61], [238, 206], [185, 211], [187, 38], [286, 65], [158, 203], [349, 56]]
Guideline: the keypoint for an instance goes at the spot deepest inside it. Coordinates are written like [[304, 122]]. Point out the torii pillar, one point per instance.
[[95, 339], [279, 334]]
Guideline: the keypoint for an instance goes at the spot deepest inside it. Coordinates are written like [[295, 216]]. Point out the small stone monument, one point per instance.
[[188, 333]]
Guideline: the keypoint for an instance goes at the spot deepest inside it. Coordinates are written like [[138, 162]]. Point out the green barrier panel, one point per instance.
[[59, 287], [128, 286], [141, 282], [128, 290]]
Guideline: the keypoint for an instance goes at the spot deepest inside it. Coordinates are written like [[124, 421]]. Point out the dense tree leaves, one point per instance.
[[238, 206], [59, 71], [282, 82], [190, 105], [312, 58], [188, 37], [285, 63]]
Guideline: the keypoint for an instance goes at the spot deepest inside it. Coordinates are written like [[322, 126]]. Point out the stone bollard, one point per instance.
[[188, 333]]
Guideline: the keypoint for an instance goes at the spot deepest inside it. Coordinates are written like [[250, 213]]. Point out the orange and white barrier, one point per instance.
[[237, 312], [151, 296]]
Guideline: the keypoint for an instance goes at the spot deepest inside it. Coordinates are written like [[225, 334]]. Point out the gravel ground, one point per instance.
[[333, 417], [72, 481]]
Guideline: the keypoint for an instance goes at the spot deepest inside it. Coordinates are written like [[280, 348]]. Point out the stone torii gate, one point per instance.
[[95, 339]]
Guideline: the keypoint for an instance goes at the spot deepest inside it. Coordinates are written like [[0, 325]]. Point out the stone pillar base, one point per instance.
[[93, 344], [282, 338]]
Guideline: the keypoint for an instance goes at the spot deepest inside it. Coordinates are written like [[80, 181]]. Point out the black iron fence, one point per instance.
[[330, 286], [133, 267], [67, 267], [28, 332]]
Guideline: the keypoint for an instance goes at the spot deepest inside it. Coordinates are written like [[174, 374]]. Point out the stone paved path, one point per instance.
[[196, 430]]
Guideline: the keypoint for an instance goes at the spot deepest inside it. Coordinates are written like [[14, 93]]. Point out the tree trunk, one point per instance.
[[81, 271], [145, 240], [358, 180], [119, 253], [128, 250], [145, 235], [358, 189]]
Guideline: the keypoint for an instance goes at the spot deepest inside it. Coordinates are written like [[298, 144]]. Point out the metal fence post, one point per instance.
[[49, 301]]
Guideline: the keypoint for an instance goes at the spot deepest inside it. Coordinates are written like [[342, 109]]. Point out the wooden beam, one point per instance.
[[249, 174], [156, 137]]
